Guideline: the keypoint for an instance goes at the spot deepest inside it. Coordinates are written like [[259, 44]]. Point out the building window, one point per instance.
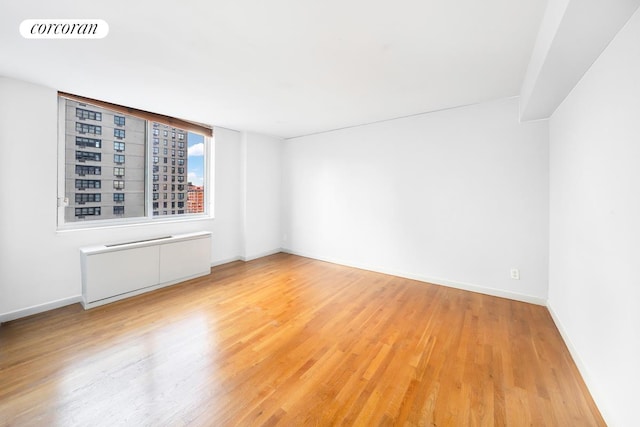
[[83, 114], [88, 170], [81, 212], [82, 198], [87, 128], [88, 142], [83, 156], [81, 184], [81, 141]]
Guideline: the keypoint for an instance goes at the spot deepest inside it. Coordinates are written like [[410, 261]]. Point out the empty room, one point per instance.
[[245, 213]]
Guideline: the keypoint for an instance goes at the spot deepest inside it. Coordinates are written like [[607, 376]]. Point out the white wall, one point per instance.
[[40, 267], [262, 192], [456, 197], [594, 290]]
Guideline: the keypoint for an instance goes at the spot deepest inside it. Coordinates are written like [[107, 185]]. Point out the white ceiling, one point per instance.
[[281, 67]]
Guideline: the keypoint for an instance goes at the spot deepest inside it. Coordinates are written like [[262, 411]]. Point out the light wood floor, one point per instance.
[[286, 340]]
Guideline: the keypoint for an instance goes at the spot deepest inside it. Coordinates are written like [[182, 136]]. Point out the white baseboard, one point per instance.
[[584, 371], [225, 261], [435, 281], [35, 309], [262, 254]]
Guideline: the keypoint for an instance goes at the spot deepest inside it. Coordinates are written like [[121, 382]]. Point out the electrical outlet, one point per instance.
[[515, 274]]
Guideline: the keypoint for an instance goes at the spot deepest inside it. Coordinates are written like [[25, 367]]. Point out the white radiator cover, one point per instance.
[[113, 272]]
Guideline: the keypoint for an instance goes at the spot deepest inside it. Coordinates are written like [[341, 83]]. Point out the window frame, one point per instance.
[[150, 216]]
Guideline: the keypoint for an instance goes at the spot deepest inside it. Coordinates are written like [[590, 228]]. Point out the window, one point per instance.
[[82, 198], [81, 184], [87, 128], [83, 156], [88, 170], [88, 142], [83, 114], [81, 212], [85, 169]]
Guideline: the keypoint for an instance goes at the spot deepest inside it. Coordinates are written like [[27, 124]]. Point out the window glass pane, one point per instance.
[[108, 152]]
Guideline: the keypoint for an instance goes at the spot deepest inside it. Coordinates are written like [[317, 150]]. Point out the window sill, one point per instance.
[[134, 222]]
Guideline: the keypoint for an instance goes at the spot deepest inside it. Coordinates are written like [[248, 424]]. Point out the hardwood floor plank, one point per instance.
[[286, 340]]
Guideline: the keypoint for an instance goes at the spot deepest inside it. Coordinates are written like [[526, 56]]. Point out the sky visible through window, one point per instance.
[[195, 164]]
